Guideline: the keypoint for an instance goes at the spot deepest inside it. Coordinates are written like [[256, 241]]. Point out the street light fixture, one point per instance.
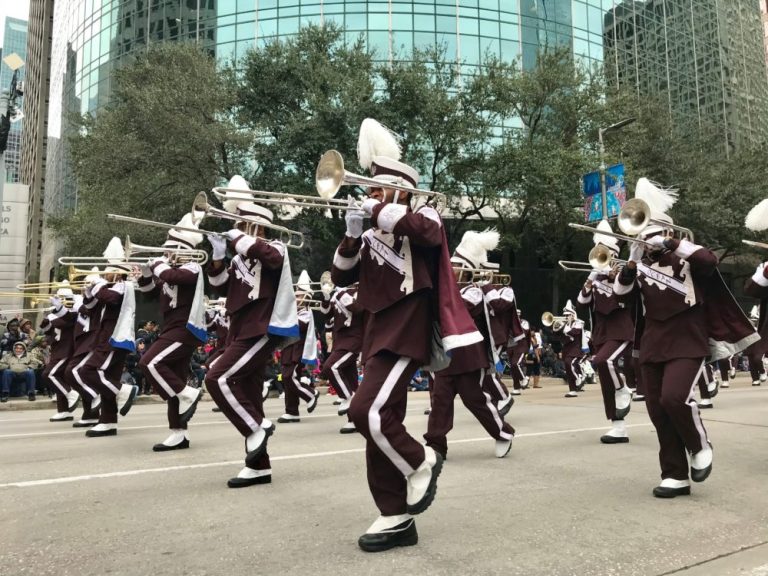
[[600, 133]]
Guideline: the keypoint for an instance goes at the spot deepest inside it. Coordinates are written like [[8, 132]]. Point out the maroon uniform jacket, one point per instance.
[[346, 321], [59, 326], [506, 328], [672, 287], [571, 338], [396, 265], [475, 356], [610, 314], [292, 353], [87, 326], [757, 287], [175, 286], [110, 298], [250, 284]]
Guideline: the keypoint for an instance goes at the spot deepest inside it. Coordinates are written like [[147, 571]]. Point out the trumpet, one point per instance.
[[556, 322], [330, 175], [635, 216]]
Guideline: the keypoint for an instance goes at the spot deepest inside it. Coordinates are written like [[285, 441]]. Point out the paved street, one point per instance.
[[560, 504]]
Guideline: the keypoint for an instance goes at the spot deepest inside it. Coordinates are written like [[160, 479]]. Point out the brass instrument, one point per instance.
[[556, 322], [330, 175], [48, 285], [283, 199], [593, 230], [754, 244], [575, 266], [501, 279], [180, 255], [635, 216]]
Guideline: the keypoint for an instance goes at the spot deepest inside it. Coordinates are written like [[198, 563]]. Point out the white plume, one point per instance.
[[659, 199], [114, 252], [304, 283], [376, 140], [488, 239], [757, 219]]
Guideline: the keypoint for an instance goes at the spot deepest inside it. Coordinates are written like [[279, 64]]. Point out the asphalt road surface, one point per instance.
[[560, 504]]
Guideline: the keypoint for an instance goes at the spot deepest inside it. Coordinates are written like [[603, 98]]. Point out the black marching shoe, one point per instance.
[[166, 448], [401, 535], [102, 430], [670, 488], [701, 464], [243, 482]]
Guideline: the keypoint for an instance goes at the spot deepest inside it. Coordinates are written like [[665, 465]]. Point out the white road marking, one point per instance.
[[123, 473]]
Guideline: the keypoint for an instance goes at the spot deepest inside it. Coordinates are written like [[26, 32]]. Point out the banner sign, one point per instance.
[[616, 193]]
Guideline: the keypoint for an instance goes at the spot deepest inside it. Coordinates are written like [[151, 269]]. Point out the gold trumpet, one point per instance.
[[556, 322], [330, 175], [635, 216]]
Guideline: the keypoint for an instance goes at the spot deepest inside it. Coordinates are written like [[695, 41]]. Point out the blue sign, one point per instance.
[[616, 193]]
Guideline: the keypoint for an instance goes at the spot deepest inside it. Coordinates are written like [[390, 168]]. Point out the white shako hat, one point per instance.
[[243, 207], [757, 219], [65, 291], [182, 238], [660, 200], [609, 242], [755, 312], [115, 253], [304, 284], [569, 309], [472, 251], [378, 151]]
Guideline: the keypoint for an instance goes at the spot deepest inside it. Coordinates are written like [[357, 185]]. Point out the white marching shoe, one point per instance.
[[669, 488], [705, 403], [256, 443], [617, 434], [701, 464], [571, 394], [188, 399], [249, 477], [422, 482], [503, 447], [348, 428], [265, 389], [125, 397], [732, 373], [61, 417], [102, 429], [763, 377], [178, 440], [344, 407], [725, 384], [73, 399], [505, 404], [623, 397], [524, 383]]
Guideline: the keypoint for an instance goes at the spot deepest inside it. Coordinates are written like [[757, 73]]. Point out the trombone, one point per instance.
[[556, 322], [635, 216], [330, 175], [131, 249], [754, 244], [48, 285], [283, 199], [599, 258]]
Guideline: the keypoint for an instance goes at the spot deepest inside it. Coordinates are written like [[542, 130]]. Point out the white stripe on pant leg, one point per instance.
[[493, 410], [76, 374], [374, 418], [54, 379], [227, 391], [618, 383], [152, 367], [102, 375], [299, 386], [335, 370], [520, 368], [695, 414]]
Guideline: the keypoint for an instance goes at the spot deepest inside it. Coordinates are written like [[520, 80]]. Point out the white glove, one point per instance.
[[153, 262], [354, 219], [219, 246], [593, 275], [369, 204], [145, 270], [636, 252], [346, 300], [233, 234], [56, 302], [657, 243], [327, 290]]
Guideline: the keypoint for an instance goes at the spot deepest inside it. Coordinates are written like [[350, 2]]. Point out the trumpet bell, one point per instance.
[[556, 322], [329, 174], [634, 216]]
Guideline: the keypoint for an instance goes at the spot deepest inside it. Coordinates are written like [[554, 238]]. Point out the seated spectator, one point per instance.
[[197, 364], [419, 383], [41, 350], [25, 326], [132, 366], [12, 335], [18, 366]]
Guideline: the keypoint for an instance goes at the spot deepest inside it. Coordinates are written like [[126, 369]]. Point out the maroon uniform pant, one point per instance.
[[54, 371], [516, 358], [572, 371], [102, 373], [166, 366], [639, 386], [469, 387], [73, 376], [756, 368], [341, 369], [606, 363], [670, 398], [630, 368], [707, 377], [724, 366], [294, 389], [378, 411]]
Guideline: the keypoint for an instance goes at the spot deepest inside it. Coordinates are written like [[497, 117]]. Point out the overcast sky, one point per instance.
[[14, 9]]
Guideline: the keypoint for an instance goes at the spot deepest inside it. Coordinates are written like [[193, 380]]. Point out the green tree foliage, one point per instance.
[[168, 132]]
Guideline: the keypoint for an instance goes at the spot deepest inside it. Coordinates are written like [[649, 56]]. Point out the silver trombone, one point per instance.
[[635, 216], [284, 199], [330, 175], [593, 230], [600, 258], [137, 255], [754, 244]]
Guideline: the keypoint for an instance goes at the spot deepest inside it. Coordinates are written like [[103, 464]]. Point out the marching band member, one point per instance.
[[340, 367], [262, 313], [612, 334], [756, 352], [295, 356], [86, 329], [466, 373], [216, 319], [683, 294], [179, 286], [59, 327], [116, 306], [517, 348], [408, 293], [571, 335]]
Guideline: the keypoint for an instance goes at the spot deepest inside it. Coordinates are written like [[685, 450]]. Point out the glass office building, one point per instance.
[[15, 41]]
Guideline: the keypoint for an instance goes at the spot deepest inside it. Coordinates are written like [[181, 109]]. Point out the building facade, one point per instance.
[[15, 41], [707, 58]]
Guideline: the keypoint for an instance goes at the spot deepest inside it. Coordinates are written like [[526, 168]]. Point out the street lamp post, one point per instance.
[[603, 167], [8, 112], [197, 23]]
